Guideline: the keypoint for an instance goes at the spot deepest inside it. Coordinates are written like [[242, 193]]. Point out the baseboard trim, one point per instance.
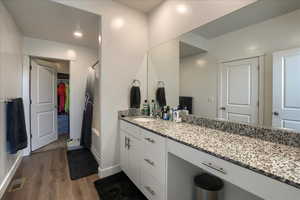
[[109, 171], [10, 174], [96, 155]]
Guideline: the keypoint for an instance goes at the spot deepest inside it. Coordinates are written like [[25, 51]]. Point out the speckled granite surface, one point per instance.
[[280, 136], [275, 160]]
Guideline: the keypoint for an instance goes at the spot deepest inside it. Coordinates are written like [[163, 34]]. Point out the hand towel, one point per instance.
[[135, 97], [16, 128], [161, 97]]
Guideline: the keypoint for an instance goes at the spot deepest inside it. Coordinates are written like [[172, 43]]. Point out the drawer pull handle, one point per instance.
[[210, 165], [149, 161], [126, 142], [150, 140], [150, 190]]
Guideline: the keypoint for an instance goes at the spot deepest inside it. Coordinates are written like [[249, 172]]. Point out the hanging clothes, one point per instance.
[[86, 130], [67, 101], [61, 94]]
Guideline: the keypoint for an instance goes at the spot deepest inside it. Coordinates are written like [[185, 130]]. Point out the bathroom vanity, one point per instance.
[[263, 168]]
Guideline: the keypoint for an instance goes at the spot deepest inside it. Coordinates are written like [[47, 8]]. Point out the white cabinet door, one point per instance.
[[134, 160], [124, 151], [43, 107], [239, 91], [286, 89]]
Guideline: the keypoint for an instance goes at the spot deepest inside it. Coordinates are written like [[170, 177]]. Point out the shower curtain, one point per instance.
[[86, 130]]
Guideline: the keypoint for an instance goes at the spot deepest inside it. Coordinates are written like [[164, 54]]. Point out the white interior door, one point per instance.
[[239, 91], [286, 89], [43, 105]]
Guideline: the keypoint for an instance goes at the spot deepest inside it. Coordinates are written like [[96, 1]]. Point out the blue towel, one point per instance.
[[16, 128]]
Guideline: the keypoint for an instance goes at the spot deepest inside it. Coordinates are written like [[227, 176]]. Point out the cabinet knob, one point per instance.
[[222, 108], [276, 113]]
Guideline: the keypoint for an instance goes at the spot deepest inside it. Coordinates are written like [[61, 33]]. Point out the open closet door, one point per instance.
[[43, 105]]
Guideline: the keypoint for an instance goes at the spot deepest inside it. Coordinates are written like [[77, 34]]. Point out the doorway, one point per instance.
[[50, 103], [239, 91], [286, 96]]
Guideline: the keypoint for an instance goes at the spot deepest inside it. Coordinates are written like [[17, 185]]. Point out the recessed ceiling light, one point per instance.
[[78, 34], [181, 8]]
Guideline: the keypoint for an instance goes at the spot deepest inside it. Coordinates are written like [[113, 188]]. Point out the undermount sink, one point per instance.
[[143, 119]]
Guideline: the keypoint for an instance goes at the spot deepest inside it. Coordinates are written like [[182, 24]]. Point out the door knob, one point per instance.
[[276, 113], [223, 108]]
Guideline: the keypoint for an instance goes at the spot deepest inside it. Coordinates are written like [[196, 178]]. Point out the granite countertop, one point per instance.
[[278, 161]]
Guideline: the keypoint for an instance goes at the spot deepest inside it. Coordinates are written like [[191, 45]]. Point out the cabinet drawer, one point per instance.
[[130, 129], [152, 189], [154, 144], [154, 156], [154, 168]]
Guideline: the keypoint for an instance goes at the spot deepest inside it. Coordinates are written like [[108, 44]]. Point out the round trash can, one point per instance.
[[207, 187]]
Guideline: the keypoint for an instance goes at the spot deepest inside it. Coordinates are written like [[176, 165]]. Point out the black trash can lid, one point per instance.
[[208, 182]]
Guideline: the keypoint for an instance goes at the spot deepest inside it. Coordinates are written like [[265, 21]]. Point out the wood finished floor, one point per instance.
[[61, 142], [47, 178]]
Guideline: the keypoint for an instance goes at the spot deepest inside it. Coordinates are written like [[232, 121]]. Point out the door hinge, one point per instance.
[[30, 135], [257, 104], [258, 67], [30, 101], [30, 67]]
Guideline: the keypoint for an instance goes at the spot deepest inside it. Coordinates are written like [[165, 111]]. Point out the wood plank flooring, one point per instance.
[[60, 143], [47, 178]]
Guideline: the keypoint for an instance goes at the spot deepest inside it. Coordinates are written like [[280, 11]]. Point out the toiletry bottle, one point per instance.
[[185, 111], [145, 108], [163, 113], [166, 113], [171, 114], [152, 108]]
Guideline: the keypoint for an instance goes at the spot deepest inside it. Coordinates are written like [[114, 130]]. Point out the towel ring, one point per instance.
[[136, 83], [160, 84], [7, 100]]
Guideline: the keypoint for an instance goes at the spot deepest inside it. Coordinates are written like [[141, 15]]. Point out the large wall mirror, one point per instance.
[[245, 71]]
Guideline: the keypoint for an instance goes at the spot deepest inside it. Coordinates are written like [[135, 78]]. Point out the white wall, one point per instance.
[[198, 79], [163, 62], [123, 58], [10, 81], [165, 23], [276, 34], [81, 59]]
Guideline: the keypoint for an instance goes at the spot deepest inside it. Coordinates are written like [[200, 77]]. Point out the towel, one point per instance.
[[86, 127], [161, 97], [135, 97], [16, 128]]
